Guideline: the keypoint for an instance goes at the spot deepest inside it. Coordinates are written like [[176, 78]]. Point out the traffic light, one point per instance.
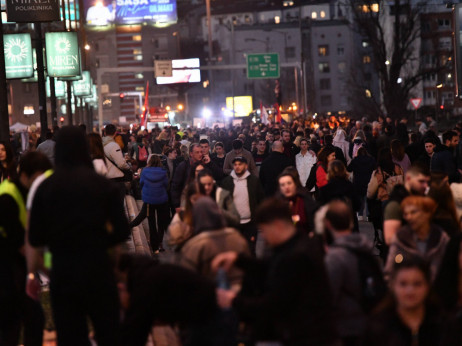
[[442, 107], [61, 120], [121, 97]]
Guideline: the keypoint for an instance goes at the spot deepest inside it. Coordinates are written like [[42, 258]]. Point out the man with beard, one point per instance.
[[416, 182]]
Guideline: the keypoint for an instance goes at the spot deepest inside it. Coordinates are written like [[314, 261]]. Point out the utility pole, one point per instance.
[[4, 118], [210, 45]]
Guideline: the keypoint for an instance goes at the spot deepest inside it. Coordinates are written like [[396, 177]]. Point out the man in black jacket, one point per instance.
[[272, 166], [285, 298], [446, 160], [247, 194]]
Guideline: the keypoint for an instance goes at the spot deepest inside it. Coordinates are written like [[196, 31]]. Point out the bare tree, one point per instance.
[[393, 32]]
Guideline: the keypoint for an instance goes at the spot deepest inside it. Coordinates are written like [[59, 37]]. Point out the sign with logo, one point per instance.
[[27, 11], [62, 53], [416, 103], [60, 88], [260, 66], [19, 61], [163, 68], [83, 86], [93, 99]]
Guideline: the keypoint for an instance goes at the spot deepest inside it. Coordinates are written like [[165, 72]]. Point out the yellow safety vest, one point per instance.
[[47, 258], [9, 188]]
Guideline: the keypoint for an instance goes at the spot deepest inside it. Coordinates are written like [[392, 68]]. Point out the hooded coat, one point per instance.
[[340, 142], [154, 184]]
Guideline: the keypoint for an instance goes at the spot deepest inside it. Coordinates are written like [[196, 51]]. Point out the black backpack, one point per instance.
[[373, 285]]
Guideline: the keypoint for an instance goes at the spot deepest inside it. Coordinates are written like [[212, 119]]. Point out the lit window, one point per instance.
[[340, 50], [277, 19], [370, 8], [323, 14], [324, 67], [368, 93], [314, 15], [138, 57], [323, 50], [341, 67], [137, 51], [139, 76], [29, 110], [366, 59], [137, 38], [365, 44]]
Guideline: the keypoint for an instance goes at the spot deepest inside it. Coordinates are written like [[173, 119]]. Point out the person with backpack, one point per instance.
[[141, 152], [356, 279]]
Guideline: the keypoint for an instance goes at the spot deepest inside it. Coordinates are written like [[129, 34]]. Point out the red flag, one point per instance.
[[145, 113], [278, 117]]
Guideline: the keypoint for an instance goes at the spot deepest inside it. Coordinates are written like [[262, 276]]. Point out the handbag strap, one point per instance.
[[120, 169]]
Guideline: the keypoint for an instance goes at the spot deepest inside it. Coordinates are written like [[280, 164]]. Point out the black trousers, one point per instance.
[[157, 224], [249, 232]]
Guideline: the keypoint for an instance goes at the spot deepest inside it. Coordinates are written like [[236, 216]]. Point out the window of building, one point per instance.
[[444, 23], [324, 67], [324, 84], [326, 100], [365, 43], [156, 43], [139, 76], [137, 51], [136, 38], [366, 59], [290, 52], [138, 57], [323, 14], [445, 43], [370, 8], [368, 93], [341, 67], [314, 15], [277, 19], [287, 3], [323, 50], [340, 50]]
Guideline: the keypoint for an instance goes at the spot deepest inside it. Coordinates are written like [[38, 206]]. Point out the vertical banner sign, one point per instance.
[[60, 88], [83, 86], [458, 47], [27, 11], [62, 52], [19, 62], [93, 98]]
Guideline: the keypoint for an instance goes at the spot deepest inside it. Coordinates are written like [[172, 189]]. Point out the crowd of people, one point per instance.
[[257, 234]]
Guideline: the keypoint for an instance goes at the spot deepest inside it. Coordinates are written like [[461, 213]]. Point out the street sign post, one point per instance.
[[19, 62], [261, 66], [416, 103], [163, 68]]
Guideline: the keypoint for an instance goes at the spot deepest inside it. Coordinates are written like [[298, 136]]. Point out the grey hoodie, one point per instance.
[[342, 268]]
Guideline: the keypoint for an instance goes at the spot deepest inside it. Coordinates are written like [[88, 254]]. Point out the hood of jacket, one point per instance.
[[354, 241], [154, 174], [407, 239], [207, 216], [244, 176], [339, 136], [108, 139]]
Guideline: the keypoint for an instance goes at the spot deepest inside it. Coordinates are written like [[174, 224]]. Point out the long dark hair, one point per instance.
[[206, 173], [10, 170], [95, 144], [385, 161], [324, 154]]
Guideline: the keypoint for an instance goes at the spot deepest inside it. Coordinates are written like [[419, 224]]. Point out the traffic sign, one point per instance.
[[263, 65], [416, 103], [163, 68]]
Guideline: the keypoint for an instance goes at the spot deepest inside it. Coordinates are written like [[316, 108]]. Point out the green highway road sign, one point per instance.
[[263, 65]]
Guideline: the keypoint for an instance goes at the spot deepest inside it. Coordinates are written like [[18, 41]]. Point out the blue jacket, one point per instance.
[[154, 183]]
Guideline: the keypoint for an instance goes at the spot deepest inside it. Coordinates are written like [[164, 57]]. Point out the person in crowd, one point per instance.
[[7, 162], [344, 261], [445, 214], [210, 238], [339, 187], [18, 309], [357, 127], [339, 141], [208, 187], [302, 205], [154, 185], [385, 177], [408, 316], [416, 182], [247, 194], [160, 142], [170, 163], [239, 151], [272, 166], [183, 172], [95, 145], [426, 157], [48, 147], [445, 160], [401, 131], [290, 149], [419, 237], [219, 154], [141, 151], [260, 154], [358, 141], [304, 161], [399, 156], [414, 149], [205, 146], [115, 159], [79, 222], [294, 276], [362, 167], [325, 156]]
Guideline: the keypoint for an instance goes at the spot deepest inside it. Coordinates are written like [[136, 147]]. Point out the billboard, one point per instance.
[[242, 105], [104, 13], [183, 71], [19, 61]]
